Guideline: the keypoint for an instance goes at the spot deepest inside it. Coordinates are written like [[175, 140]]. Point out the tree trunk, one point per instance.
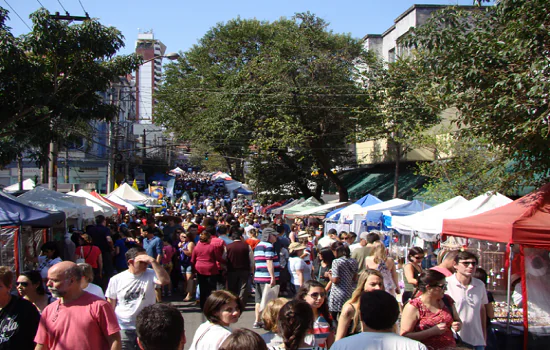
[[239, 171], [302, 185], [326, 168], [229, 166], [396, 174]]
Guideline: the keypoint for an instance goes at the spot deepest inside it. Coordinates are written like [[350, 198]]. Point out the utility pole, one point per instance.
[[52, 167], [20, 171], [67, 169], [111, 161], [143, 151]]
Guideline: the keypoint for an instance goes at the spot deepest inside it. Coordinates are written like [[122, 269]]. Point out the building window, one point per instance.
[[391, 55]]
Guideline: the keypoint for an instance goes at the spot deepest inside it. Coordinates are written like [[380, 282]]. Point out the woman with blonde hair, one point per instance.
[[380, 261], [269, 317], [349, 322]]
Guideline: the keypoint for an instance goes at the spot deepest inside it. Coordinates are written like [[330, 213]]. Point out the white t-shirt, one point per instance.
[[468, 302], [209, 336], [132, 293], [95, 290], [377, 341], [326, 241], [295, 264], [354, 246]]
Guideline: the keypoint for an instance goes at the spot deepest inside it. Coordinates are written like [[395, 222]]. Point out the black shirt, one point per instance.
[[18, 324], [99, 234]]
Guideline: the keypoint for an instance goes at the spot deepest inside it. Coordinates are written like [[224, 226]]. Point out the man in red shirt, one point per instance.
[[77, 319]]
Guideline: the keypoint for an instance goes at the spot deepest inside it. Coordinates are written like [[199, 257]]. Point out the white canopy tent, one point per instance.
[[423, 223], [430, 225], [100, 208], [176, 171], [127, 193], [28, 185], [116, 199]]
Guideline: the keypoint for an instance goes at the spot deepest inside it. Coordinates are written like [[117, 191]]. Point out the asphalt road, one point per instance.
[[193, 316]]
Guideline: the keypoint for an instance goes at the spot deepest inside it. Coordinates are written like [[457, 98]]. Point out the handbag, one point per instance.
[[82, 260], [269, 293]]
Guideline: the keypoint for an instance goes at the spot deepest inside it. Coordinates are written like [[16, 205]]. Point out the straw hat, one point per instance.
[[295, 246], [303, 234]]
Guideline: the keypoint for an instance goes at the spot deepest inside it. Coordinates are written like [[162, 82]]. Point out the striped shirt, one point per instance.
[[321, 330], [262, 253]]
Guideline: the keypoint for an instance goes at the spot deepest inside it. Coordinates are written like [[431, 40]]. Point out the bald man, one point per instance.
[[77, 319]]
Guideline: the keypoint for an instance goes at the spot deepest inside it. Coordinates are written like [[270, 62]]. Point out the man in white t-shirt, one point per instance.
[[327, 240], [470, 298], [132, 290], [379, 313]]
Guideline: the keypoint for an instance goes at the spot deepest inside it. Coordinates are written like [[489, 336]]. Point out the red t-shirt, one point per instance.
[[90, 253], [252, 242], [84, 324]]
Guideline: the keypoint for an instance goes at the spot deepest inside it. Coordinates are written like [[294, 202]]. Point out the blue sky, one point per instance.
[[179, 24]]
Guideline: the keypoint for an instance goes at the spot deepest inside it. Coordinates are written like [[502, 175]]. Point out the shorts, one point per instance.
[[259, 289], [187, 269]]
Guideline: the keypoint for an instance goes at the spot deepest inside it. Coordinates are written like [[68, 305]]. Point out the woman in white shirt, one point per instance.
[[300, 272], [86, 281], [221, 309]]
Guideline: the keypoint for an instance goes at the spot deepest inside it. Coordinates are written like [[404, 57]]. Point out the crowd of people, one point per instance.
[[335, 291]]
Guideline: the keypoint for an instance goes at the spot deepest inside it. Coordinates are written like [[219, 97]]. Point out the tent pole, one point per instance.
[[509, 286]]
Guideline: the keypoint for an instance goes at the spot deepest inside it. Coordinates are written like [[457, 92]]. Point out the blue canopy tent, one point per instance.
[[365, 201], [378, 219], [242, 190], [7, 218]]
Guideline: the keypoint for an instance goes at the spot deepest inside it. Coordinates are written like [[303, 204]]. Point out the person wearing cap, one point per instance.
[[266, 270], [362, 242], [303, 238], [299, 270]]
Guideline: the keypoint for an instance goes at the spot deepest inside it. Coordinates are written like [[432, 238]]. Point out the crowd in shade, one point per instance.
[[104, 287]]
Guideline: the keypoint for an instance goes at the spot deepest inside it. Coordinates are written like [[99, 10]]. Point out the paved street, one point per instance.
[[193, 316]]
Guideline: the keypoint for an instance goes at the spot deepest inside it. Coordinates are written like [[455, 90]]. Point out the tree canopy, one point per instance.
[[286, 91], [492, 65], [50, 79]]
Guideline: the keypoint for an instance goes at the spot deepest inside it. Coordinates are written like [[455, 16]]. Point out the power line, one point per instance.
[[41, 4], [25, 23], [63, 7], [83, 9]]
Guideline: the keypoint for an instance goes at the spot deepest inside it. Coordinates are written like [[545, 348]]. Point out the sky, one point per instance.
[[179, 24]]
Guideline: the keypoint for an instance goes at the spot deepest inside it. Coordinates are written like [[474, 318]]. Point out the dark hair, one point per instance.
[[243, 339], [379, 310], [35, 278], [327, 255], [340, 249], [204, 236], [99, 219], [215, 301], [465, 255], [331, 232], [294, 322], [160, 327], [133, 252], [305, 288], [192, 226], [222, 229], [50, 246], [429, 278], [236, 234], [6, 276], [414, 251], [352, 235], [372, 237], [481, 275]]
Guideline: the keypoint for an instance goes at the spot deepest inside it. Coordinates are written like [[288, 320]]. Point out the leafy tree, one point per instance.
[[398, 111], [50, 79], [492, 65], [284, 89]]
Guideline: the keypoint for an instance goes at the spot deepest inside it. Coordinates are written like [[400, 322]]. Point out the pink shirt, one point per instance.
[[84, 323], [168, 253]]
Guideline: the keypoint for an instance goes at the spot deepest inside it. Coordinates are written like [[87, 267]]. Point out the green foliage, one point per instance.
[[492, 65], [285, 89], [50, 79]]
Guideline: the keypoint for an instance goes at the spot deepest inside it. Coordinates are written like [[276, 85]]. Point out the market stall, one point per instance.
[[523, 223]]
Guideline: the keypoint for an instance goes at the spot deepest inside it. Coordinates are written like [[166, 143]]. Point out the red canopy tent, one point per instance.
[[524, 222], [273, 206], [119, 207]]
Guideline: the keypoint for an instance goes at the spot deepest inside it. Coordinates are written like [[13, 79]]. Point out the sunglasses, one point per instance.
[[419, 256], [317, 295], [442, 286], [24, 284], [467, 263]]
